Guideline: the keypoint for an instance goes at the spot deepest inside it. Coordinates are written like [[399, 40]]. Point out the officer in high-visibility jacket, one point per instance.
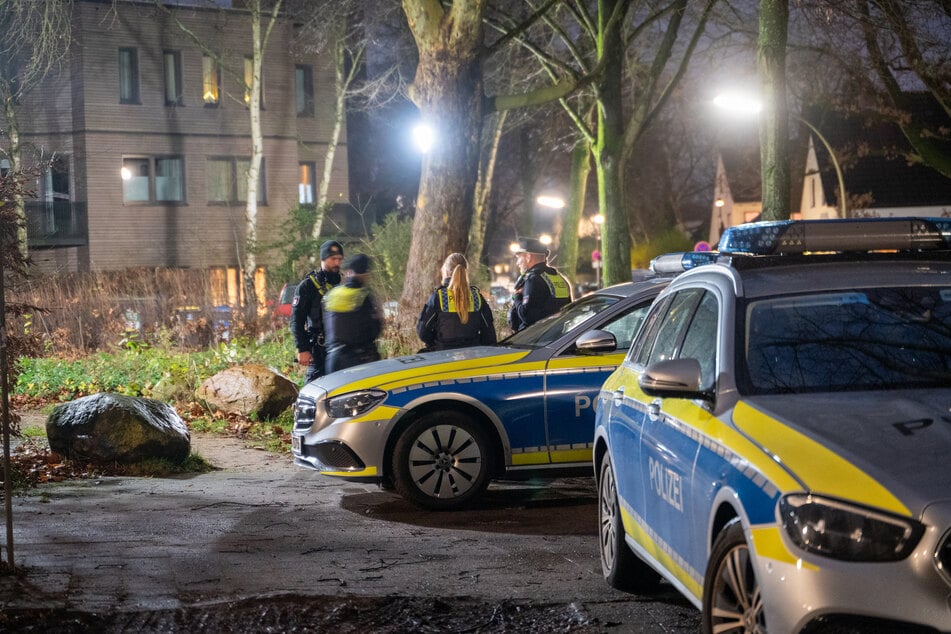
[[540, 290], [456, 315], [351, 319], [307, 317]]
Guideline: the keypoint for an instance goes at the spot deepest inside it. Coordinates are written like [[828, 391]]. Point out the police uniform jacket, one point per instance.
[[307, 322], [350, 317], [539, 292], [440, 328]]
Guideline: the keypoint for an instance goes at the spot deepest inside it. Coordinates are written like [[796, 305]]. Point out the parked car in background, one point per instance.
[[776, 442], [438, 426], [285, 301], [500, 296]]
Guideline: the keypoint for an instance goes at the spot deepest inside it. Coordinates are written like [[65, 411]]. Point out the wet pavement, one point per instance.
[[264, 546]]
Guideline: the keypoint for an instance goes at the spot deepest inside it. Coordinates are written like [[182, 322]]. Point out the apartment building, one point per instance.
[[150, 138]]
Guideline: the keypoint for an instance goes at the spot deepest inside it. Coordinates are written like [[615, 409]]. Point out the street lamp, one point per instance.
[[553, 202], [424, 137], [598, 220], [749, 105]]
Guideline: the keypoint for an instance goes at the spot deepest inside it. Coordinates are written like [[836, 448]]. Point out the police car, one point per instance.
[[438, 426], [777, 442]]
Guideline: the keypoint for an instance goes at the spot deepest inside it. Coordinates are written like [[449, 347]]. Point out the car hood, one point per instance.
[[409, 369], [895, 443]]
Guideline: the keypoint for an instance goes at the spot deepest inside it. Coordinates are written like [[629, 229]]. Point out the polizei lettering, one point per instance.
[[667, 483]]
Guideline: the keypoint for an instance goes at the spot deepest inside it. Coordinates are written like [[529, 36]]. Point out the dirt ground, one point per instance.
[[261, 545]]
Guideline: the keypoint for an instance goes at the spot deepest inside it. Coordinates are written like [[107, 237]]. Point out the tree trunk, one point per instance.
[[448, 91], [526, 225], [483, 190], [568, 242], [254, 170], [774, 135], [15, 152], [616, 242]]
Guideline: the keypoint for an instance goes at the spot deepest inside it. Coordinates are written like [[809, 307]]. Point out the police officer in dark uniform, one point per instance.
[[541, 290], [351, 319], [307, 320], [456, 315]]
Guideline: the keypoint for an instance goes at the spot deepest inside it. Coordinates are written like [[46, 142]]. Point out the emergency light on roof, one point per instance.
[[671, 263], [792, 237]]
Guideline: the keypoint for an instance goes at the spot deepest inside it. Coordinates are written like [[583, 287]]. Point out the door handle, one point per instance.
[[618, 396], [653, 410]]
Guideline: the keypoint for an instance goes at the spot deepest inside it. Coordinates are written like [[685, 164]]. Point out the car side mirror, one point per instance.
[[596, 341], [677, 378]]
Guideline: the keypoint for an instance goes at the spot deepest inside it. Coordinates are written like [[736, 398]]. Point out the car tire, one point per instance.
[[442, 461], [731, 594], [622, 569]]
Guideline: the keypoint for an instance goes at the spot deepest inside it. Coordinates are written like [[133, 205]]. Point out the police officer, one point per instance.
[[351, 319], [456, 315], [540, 290], [307, 321]]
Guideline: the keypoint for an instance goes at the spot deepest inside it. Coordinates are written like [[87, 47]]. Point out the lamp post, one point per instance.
[[748, 105], [598, 220]]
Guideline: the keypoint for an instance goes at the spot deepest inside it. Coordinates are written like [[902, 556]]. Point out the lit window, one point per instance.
[[172, 62], [304, 89], [306, 186], [248, 78], [128, 75], [210, 81], [153, 179]]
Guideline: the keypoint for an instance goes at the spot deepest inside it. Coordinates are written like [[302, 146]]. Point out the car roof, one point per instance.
[[628, 289]]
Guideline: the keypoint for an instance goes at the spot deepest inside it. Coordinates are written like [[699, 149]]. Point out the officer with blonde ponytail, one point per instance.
[[456, 315]]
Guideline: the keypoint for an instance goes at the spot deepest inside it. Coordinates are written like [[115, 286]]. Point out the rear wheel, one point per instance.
[[621, 568], [731, 594], [442, 461]]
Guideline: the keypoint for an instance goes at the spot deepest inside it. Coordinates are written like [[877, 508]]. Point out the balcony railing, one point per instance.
[[56, 223]]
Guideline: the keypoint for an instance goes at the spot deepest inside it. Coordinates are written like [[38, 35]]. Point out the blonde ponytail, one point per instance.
[[457, 268]]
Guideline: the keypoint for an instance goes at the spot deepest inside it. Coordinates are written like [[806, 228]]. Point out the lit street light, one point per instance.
[[424, 137], [749, 105], [553, 202]]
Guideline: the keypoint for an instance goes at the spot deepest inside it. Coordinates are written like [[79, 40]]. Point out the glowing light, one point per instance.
[[126, 173], [719, 202], [424, 137], [738, 102], [553, 202], [545, 239]]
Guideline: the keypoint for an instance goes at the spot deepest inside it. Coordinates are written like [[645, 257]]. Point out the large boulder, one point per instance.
[[106, 427], [249, 389]]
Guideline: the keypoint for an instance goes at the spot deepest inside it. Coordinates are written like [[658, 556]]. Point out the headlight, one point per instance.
[[839, 530], [304, 411], [354, 403]]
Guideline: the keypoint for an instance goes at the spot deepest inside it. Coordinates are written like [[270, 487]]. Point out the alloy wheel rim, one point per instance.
[[737, 601], [445, 461], [608, 520]]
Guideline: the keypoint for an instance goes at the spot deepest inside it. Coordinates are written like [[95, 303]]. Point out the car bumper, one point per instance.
[[803, 595]]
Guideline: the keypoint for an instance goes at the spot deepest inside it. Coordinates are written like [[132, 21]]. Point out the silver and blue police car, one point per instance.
[[777, 442], [438, 426]]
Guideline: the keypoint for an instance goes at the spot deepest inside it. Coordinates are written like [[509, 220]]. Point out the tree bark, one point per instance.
[[15, 152], [774, 135], [568, 244], [448, 91], [483, 190], [616, 243]]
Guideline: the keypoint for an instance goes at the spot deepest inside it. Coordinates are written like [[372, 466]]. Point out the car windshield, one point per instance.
[[547, 330], [866, 339]]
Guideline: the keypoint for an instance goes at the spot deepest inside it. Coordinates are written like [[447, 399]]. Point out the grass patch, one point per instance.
[[33, 431]]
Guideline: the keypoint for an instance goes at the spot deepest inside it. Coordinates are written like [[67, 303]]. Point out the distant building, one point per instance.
[[879, 178], [151, 137]]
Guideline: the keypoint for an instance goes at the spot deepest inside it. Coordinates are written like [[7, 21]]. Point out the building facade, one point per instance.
[[149, 137]]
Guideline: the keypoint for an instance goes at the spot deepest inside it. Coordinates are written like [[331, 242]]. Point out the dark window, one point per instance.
[[304, 88], [128, 75], [153, 179], [172, 62], [228, 182]]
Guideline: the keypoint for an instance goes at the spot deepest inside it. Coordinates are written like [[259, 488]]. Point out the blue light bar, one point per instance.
[[793, 237], [680, 262]]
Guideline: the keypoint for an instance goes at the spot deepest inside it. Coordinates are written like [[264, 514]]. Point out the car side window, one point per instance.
[[641, 347], [670, 332], [700, 342], [625, 327]]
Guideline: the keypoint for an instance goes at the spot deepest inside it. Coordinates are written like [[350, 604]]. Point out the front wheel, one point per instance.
[[442, 461], [731, 594], [621, 568]]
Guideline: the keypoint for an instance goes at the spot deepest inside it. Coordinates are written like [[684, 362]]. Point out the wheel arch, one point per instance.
[[466, 407]]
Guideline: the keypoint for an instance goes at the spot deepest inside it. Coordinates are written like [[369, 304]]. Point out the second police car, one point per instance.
[[438, 426], [777, 443]]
